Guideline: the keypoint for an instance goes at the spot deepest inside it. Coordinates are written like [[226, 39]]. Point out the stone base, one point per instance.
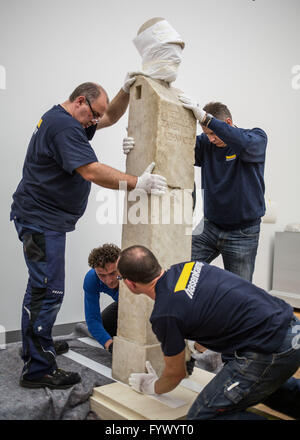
[[130, 357], [118, 401]]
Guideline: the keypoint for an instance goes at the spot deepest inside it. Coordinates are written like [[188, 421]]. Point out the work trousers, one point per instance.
[[44, 253], [251, 378], [110, 318], [238, 247]]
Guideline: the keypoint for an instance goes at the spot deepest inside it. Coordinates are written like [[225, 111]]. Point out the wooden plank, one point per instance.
[[297, 313], [269, 413]]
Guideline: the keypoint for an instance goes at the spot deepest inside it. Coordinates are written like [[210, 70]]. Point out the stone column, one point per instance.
[[164, 133]]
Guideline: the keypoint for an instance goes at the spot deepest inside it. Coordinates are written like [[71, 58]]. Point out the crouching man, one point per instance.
[[102, 279], [224, 313]]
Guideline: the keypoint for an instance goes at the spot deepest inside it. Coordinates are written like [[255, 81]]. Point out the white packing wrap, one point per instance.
[[160, 47]]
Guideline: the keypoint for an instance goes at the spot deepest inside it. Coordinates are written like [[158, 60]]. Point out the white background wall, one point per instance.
[[241, 52]]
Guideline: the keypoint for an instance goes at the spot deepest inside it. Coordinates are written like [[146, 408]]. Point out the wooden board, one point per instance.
[[297, 313], [269, 413]]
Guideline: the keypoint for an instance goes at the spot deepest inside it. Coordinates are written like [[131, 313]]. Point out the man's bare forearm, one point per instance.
[[116, 108], [172, 374], [165, 384], [106, 176]]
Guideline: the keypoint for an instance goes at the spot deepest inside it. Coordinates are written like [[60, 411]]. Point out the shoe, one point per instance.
[[59, 380], [60, 347]]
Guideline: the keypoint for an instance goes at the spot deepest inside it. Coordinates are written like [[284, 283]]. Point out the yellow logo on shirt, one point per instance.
[[38, 126], [189, 278], [231, 157], [184, 276]]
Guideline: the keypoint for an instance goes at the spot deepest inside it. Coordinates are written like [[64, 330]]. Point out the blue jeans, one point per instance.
[[238, 248], [44, 253], [250, 378]]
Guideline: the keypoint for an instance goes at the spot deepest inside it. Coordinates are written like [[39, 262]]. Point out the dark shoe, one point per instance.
[[59, 380], [60, 347]]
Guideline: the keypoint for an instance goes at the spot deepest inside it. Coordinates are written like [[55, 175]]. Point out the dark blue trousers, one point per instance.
[[44, 253]]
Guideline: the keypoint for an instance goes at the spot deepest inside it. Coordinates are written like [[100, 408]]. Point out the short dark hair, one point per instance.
[[100, 256], [218, 110], [138, 264], [89, 89]]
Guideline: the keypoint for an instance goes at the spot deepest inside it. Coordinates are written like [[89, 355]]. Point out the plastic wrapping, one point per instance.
[[160, 47]]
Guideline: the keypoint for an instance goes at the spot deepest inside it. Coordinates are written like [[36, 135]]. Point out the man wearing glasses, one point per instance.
[[52, 195], [103, 277]]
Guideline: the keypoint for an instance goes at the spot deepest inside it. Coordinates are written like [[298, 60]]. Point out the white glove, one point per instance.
[[194, 352], [128, 144], [144, 382], [194, 106], [128, 81], [152, 183]]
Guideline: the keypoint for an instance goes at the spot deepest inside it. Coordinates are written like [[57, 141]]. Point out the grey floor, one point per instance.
[[17, 403], [93, 363]]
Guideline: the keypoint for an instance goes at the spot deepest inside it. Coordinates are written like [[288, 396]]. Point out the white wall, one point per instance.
[[240, 52]]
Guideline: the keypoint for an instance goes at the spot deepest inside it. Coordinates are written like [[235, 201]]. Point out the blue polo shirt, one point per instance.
[[93, 287], [51, 193], [232, 176], [218, 309]]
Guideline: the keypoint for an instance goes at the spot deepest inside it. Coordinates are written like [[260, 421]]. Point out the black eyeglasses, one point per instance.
[[95, 115], [119, 278]]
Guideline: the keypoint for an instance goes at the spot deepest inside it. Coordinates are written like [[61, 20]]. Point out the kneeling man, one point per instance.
[[227, 314], [102, 278]]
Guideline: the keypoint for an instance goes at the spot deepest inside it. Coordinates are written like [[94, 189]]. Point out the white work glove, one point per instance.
[[128, 144], [144, 382], [128, 81], [152, 183], [194, 106], [194, 352]]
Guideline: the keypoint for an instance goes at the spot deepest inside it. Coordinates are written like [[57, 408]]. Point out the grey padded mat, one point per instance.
[[17, 403]]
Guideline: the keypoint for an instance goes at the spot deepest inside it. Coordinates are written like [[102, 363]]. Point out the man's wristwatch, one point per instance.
[[206, 120]]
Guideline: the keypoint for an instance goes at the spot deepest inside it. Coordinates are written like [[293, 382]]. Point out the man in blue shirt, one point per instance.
[[225, 313], [102, 278], [232, 164], [52, 195]]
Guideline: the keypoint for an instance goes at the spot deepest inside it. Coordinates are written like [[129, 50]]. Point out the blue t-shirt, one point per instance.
[[233, 176], [93, 287], [218, 309], [51, 193]]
